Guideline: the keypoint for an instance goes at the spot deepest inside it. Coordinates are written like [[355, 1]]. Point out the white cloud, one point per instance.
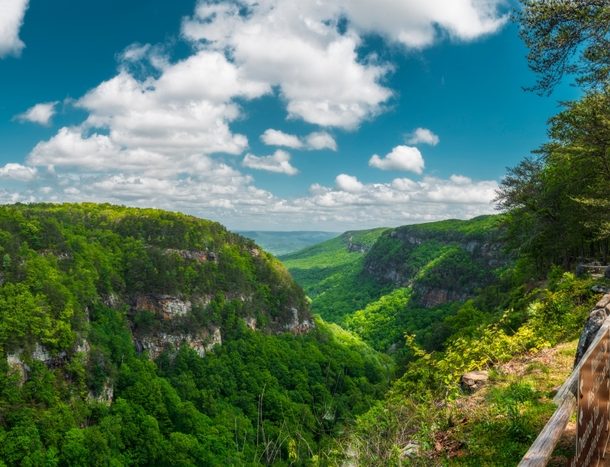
[[298, 46], [321, 140], [278, 162], [356, 205], [405, 158], [11, 19], [317, 140], [273, 137], [18, 172], [135, 52], [162, 123], [348, 183], [419, 23], [157, 133], [294, 46], [40, 113], [70, 150], [460, 180], [423, 136]]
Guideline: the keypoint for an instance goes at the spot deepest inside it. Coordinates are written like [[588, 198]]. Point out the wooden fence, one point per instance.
[[592, 434]]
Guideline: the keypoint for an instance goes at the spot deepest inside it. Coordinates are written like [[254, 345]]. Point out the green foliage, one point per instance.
[[378, 322], [401, 254], [331, 274], [557, 204], [565, 37], [510, 417], [74, 391]]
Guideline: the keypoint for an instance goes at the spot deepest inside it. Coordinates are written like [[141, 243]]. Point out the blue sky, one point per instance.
[[274, 114]]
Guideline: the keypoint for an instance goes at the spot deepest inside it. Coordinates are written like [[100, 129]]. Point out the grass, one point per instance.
[[496, 425]]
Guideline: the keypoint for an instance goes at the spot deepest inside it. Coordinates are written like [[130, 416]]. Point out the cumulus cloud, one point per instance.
[[162, 123], [348, 183], [423, 136], [405, 158], [160, 132], [273, 137], [300, 47], [188, 108], [321, 140], [399, 202], [11, 19], [278, 162], [419, 23], [317, 140], [13, 171], [297, 47], [40, 113]]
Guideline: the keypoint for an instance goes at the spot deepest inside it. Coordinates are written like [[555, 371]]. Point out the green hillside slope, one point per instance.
[[142, 337], [384, 283], [331, 273]]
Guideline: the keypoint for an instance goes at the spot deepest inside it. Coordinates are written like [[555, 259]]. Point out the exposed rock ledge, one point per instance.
[[201, 343], [169, 307], [594, 322], [433, 297], [200, 256], [296, 326]]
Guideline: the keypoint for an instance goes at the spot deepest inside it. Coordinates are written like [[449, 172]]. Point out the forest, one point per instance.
[[75, 390], [143, 337]]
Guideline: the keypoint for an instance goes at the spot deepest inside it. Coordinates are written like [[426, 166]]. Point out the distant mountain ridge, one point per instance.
[[283, 243]]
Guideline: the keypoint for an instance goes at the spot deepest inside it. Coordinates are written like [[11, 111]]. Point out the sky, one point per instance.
[[267, 114]]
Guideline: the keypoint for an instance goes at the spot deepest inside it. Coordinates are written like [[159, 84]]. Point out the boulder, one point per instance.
[[594, 322], [603, 302], [474, 380]]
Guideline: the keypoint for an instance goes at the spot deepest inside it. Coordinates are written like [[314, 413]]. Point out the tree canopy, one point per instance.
[[567, 37]]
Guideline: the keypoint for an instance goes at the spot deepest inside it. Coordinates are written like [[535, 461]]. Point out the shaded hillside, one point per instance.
[[143, 337], [283, 243]]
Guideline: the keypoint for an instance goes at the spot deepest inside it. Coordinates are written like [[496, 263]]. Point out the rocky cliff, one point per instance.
[[177, 280], [442, 261]]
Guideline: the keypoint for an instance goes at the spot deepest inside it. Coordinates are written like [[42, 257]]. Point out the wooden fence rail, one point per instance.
[[540, 451]]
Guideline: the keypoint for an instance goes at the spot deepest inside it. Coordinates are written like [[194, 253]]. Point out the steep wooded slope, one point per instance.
[[385, 282], [143, 337]]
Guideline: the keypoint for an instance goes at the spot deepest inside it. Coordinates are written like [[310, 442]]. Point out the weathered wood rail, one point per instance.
[[541, 450]]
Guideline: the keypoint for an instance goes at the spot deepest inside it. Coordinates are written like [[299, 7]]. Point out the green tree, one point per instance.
[[558, 202], [567, 37]]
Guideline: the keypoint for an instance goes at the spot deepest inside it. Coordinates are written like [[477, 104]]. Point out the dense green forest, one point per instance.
[[384, 283], [90, 294], [331, 273], [142, 337]]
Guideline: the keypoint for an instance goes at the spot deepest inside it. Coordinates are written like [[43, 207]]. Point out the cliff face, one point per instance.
[[176, 279], [443, 262]]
